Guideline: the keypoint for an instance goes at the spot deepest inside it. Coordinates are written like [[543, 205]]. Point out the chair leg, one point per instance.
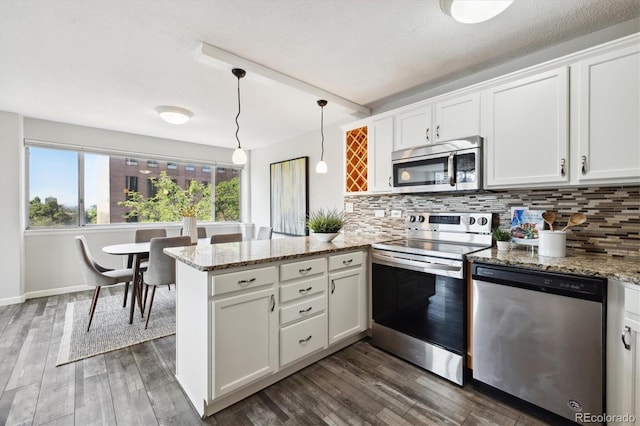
[[126, 293], [144, 302], [94, 302], [139, 297], [153, 293]]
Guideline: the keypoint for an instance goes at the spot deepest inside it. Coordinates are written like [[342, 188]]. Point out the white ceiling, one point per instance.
[[107, 64]]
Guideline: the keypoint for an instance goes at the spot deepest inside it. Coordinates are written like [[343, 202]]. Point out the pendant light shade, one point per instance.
[[239, 156], [473, 11], [321, 167]]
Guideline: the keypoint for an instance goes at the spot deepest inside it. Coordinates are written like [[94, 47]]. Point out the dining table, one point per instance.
[[135, 253]]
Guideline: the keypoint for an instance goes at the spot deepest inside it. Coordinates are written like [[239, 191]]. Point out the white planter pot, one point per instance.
[[190, 228], [323, 237], [503, 245]]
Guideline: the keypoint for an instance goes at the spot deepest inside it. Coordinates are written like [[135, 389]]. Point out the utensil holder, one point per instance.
[[552, 243]]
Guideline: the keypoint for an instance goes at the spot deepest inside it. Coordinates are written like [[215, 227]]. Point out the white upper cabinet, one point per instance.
[[413, 127], [380, 147], [526, 128], [609, 117], [458, 117]]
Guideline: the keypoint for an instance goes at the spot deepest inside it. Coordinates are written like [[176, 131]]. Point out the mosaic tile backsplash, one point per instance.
[[613, 213]]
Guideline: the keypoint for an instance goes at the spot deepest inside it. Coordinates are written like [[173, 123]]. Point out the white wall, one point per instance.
[[325, 190], [11, 219]]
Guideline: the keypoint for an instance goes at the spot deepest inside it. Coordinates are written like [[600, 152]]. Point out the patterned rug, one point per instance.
[[110, 328]]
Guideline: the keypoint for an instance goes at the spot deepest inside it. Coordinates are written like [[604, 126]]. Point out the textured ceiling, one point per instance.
[[107, 64]]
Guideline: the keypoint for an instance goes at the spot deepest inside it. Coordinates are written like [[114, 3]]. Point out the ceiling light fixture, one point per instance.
[[473, 11], [239, 156], [174, 114], [321, 167]]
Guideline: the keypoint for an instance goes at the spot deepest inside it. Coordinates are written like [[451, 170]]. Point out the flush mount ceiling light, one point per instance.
[[473, 11], [321, 167], [174, 114], [239, 156]]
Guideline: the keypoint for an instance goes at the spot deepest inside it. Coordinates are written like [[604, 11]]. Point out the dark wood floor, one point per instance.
[[136, 386]]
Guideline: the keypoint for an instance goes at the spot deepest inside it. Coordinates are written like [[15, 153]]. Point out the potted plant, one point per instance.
[[502, 238], [325, 225]]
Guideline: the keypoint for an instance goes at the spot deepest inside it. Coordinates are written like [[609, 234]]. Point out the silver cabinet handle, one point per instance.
[[304, 311], [305, 290], [273, 302], [562, 167], [302, 341], [438, 131], [245, 282], [333, 286], [452, 175], [583, 164], [627, 330], [346, 262], [305, 270], [427, 134], [389, 180]]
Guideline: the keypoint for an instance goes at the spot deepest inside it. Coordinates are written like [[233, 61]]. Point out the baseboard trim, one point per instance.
[[12, 300], [56, 291]]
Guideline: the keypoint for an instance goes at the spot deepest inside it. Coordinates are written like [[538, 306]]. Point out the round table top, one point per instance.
[[128, 248]]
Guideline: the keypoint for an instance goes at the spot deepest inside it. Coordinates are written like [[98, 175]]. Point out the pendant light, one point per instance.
[[239, 156], [321, 167]]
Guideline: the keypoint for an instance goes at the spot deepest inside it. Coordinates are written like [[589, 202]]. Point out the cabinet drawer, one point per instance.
[[243, 280], [305, 288], [302, 269], [302, 338], [303, 309], [345, 260], [632, 301]]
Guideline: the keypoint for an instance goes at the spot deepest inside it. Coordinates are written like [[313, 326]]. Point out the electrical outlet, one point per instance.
[[348, 207], [396, 213], [379, 213]]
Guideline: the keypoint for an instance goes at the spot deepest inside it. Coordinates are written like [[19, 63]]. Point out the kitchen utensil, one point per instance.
[[549, 217], [575, 219]]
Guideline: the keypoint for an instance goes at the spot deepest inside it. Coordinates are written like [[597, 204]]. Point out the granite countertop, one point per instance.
[[213, 257], [576, 262]]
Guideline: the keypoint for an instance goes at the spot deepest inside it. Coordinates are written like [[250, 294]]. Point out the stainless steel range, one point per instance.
[[419, 289]]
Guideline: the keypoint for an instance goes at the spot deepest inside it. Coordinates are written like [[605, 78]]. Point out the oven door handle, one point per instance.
[[420, 266]]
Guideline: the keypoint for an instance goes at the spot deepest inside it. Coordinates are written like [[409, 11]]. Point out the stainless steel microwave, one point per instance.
[[448, 166]]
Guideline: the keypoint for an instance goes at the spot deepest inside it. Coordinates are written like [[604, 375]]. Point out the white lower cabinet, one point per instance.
[[347, 296], [623, 354], [303, 338], [245, 339]]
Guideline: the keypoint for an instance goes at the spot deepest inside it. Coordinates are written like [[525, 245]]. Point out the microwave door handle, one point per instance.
[[451, 172]]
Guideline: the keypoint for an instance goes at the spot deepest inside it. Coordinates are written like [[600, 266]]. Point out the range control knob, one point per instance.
[[472, 220], [420, 218], [483, 221], [412, 218]]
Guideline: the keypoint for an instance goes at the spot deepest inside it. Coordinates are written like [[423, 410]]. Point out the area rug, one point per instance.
[[110, 328]]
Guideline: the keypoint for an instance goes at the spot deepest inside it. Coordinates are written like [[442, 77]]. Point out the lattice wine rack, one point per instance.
[[357, 159]]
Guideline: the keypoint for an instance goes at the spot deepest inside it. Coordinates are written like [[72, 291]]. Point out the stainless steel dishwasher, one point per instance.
[[539, 336]]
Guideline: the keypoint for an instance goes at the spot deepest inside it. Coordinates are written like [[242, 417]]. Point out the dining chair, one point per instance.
[[141, 236], [162, 268], [202, 232], [264, 233], [226, 238], [96, 275]]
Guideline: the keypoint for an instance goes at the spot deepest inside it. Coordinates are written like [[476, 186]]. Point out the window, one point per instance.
[[117, 189], [190, 168]]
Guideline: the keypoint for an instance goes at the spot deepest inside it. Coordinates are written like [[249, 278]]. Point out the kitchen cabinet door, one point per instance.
[[526, 126], [245, 339], [347, 303], [414, 127], [609, 148], [458, 117], [380, 147]]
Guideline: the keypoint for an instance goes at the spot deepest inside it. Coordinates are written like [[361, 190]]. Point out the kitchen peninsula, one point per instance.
[[251, 313]]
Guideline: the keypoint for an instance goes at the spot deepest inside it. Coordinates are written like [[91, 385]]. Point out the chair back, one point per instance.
[[90, 269], [145, 235], [202, 231], [162, 268], [264, 233], [226, 238]]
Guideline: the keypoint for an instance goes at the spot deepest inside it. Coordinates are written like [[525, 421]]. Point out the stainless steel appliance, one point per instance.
[[454, 165], [419, 290], [539, 336]]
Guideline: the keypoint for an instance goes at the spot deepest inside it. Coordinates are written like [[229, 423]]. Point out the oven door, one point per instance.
[[452, 171]]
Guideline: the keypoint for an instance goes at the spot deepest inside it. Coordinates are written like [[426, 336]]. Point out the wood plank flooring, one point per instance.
[[359, 385]]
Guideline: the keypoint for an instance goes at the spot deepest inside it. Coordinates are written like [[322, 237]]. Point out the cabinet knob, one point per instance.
[[438, 131], [583, 164], [627, 330], [346, 262], [427, 134], [304, 311], [305, 270], [303, 341], [305, 290], [333, 286], [273, 302], [245, 282], [562, 173]]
